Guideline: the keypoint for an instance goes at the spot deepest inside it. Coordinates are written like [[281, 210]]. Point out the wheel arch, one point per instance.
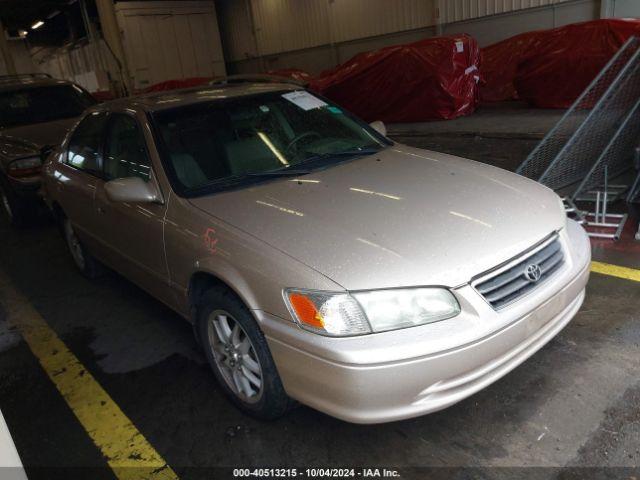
[[203, 280], [57, 211]]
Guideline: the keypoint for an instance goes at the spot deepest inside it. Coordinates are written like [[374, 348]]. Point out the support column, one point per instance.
[[10, 65], [113, 39], [438, 16], [607, 8]]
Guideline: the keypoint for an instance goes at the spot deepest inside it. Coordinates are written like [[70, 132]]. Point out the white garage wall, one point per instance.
[[163, 40], [170, 40]]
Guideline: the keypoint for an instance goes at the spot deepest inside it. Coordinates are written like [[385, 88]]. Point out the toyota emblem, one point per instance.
[[533, 273]]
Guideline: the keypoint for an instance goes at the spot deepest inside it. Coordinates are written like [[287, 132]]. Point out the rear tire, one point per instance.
[[239, 356], [15, 210], [83, 260]]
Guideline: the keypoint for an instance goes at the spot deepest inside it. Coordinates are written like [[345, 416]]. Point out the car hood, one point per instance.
[[403, 217], [18, 142]]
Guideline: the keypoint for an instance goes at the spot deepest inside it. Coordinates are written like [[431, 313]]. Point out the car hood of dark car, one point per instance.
[[25, 140], [402, 217]]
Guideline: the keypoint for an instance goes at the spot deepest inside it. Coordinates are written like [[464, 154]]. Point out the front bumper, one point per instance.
[[406, 373]]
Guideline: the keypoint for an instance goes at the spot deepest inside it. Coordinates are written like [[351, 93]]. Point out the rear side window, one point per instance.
[[42, 104], [85, 144], [125, 151]]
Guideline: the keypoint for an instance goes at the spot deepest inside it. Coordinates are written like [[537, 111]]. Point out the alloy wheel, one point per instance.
[[235, 356], [6, 205], [74, 245]]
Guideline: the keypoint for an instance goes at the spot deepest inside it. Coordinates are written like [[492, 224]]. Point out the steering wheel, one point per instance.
[[297, 139]]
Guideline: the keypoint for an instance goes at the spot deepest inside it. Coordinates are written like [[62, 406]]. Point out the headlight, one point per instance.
[[25, 167], [393, 309], [343, 314]]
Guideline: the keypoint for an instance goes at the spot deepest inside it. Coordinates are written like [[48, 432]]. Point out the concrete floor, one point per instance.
[[575, 403]]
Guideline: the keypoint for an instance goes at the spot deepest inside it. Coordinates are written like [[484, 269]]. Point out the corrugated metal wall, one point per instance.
[[288, 25], [352, 19], [236, 29], [460, 10], [83, 63]]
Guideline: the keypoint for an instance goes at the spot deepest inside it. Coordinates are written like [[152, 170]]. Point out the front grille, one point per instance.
[[508, 285]]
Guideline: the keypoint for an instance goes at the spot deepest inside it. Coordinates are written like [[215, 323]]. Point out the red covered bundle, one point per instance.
[[176, 84], [551, 68], [292, 73], [435, 78]]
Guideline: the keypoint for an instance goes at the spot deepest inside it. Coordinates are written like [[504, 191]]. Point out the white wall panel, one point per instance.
[[289, 24], [625, 8], [286, 25], [459, 10], [352, 19], [83, 63], [170, 40], [21, 58], [236, 30], [284, 29]]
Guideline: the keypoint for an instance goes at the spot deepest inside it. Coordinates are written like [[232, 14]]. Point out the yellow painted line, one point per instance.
[[616, 271], [126, 450]]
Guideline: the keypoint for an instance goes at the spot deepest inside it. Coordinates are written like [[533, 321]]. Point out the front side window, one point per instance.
[[32, 105], [85, 144], [241, 139], [125, 152]]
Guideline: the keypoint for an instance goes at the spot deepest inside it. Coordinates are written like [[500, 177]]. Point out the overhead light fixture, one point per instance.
[[23, 33], [37, 25], [53, 14]]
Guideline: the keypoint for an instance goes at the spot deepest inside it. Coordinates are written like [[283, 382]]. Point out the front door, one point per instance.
[[133, 232]]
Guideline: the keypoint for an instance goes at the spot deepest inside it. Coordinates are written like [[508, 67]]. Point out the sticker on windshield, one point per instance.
[[334, 110], [304, 100]]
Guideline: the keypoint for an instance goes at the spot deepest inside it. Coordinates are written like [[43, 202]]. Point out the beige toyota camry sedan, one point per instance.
[[318, 260]]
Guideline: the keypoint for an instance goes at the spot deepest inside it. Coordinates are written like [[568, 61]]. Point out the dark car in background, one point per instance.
[[36, 111]]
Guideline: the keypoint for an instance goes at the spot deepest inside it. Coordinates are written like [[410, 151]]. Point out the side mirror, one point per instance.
[[379, 127], [131, 189]]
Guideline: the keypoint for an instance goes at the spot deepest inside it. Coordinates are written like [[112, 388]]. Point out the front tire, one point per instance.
[[238, 354], [14, 210], [83, 260]]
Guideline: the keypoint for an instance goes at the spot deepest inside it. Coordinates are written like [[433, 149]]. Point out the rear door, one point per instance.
[[78, 174]]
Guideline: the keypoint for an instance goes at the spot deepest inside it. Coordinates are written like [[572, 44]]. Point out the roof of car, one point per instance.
[[15, 82], [173, 98]]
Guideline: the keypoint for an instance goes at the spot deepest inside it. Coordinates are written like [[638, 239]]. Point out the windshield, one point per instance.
[[42, 104], [242, 140]]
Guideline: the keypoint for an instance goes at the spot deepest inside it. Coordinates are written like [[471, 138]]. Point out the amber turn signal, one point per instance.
[[305, 310]]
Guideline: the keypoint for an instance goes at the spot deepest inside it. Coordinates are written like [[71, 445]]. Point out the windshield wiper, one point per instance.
[[284, 172], [345, 153]]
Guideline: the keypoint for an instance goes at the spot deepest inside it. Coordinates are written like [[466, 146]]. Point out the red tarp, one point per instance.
[[175, 84], [431, 79], [551, 68], [293, 73]]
